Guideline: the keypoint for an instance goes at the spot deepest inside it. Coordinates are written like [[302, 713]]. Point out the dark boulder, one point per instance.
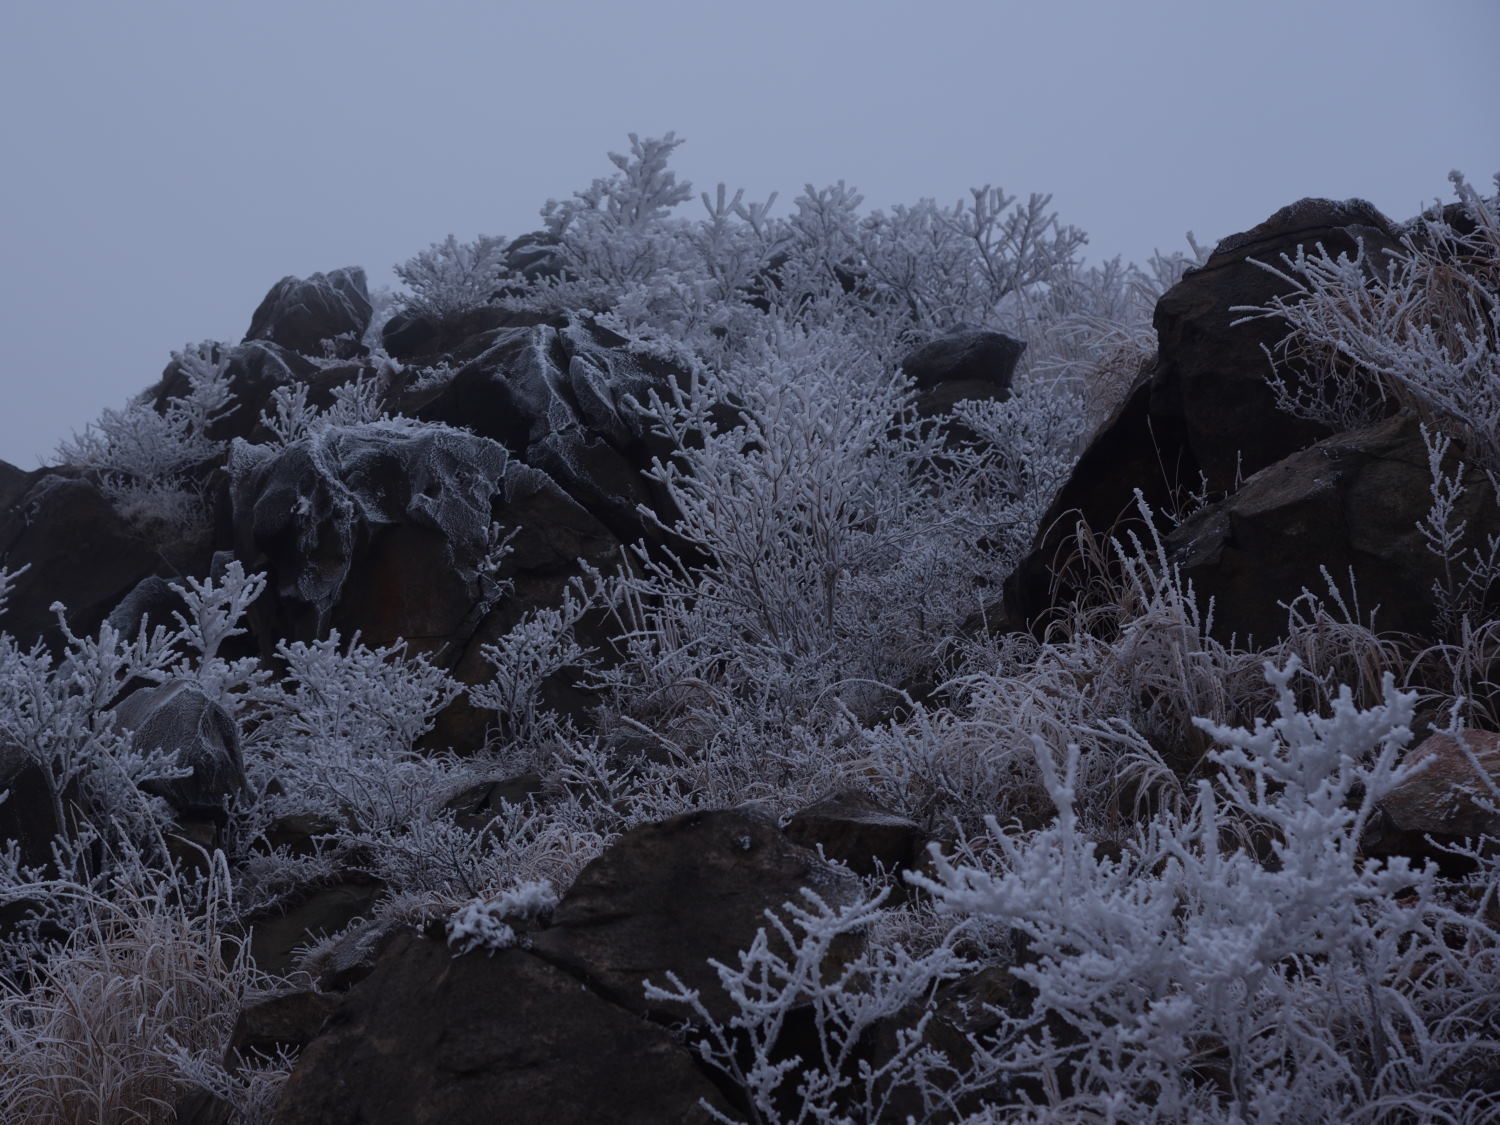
[[668, 897], [300, 314], [150, 604], [178, 719], [280, 932], [286, 1021], [563, 400], [29, 808], [422, 339], [432, 1038], [854, 830], [1206, 417], [1211, 378], [1351, 504], [77, 550], [967, 363], [385, 529]]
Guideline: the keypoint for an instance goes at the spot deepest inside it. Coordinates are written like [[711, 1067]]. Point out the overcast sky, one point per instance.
[[164, 163]]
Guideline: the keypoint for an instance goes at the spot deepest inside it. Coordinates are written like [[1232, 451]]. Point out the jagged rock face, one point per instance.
[[561, 400], [431, 1038], [669, 896], [1206, 415], [384, 528], [178, 719], [1351, 504], [959, 365], [424, 340], [77, 550], [300, 314]]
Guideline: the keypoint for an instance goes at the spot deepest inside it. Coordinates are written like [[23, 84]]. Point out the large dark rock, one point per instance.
[[965, 364], [384, 528], [432, 1038], [562, 400], [178, 719], [78, 550], [853, 829], [1206, 417], [1350, 504], [668, 897], [278, 933], [426, 339], [300, 314], [1211, 379]]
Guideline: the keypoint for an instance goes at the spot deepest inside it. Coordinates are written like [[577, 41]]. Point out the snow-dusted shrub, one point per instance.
[[1183, 980], [149, 463], [539, 646], [809, 523], [1423, 320], [452, 277]]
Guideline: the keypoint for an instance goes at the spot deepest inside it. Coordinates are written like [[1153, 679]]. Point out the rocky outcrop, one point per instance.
[[315, 315], [563, 400], [1446, 802], [1205, 419], [854, 830], [967, 363], [667, 897], [1350, 504], [558, 1028], [431, 1038], [385, 529], [74, 548]]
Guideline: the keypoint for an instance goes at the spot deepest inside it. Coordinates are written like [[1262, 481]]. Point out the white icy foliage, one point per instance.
[[481, 924], [452, 277], [1306, 982], [144, 457], [1407, 324]]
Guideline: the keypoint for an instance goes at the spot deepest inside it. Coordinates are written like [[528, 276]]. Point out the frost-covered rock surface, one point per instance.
[[716, 668]]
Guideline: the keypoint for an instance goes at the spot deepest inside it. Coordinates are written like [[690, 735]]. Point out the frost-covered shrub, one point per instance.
[[787, 976], [150, 462], [452, 277], [1183, 980], [1423, 320]]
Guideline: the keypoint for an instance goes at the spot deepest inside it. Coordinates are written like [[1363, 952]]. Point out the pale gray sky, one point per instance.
[[164, 163]]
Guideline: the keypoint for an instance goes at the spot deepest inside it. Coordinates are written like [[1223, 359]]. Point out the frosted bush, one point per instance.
[[1421, 323], [539, 646], [148, 462], [1199, 983], [788, 974], [452, 277]]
